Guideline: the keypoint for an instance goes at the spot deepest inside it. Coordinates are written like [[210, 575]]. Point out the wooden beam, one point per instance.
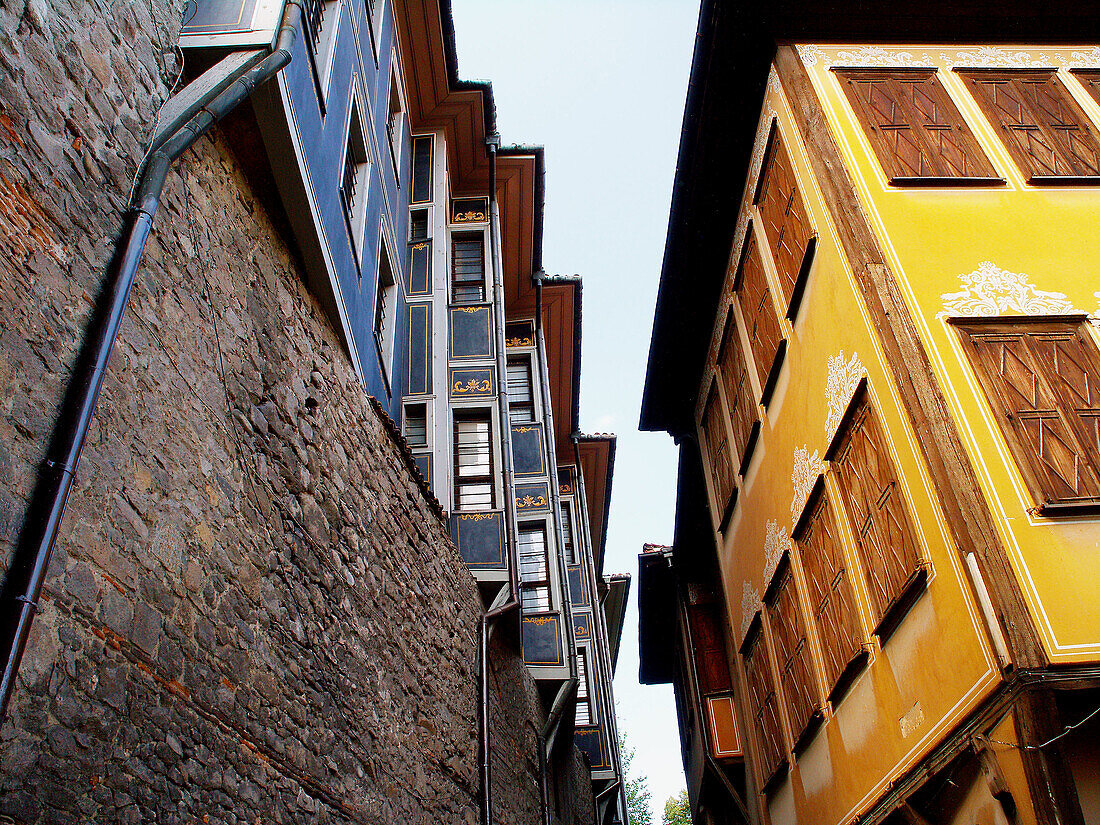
[[953, 475], [1049, 779]]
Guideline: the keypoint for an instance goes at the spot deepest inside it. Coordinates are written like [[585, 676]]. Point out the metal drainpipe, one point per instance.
[[47, 507], [484, 625], [597, 610]]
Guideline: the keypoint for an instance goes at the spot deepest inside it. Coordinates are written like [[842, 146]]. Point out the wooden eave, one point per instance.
[[597, 456]]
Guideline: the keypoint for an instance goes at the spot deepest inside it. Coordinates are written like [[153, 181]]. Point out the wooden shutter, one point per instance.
[[744, 412], [1043, 381], [831, 596], [714, 430], [913, 126], [792, 651], [873, 500], [1090, 79], [755, 299], [1045, 130], [709, 648], [783, 214], [763, 704]]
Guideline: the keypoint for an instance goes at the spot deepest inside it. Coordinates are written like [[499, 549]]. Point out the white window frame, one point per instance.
[[395, 121], [391, 294], [357, 217]]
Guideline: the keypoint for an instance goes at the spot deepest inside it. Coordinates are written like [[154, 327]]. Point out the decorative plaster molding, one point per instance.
[[750, 604], [840, 387], [776, 542], [810, 54], [990, 290], [996, 57], [806, 470], [877, 56], [1083, 60]]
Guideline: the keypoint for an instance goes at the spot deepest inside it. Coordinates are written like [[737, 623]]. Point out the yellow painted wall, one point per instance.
[[1042, 240], [937, 666]]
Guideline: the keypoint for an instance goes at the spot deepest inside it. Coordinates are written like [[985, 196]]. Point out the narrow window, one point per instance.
[[831, 597], [569, 550], [353, 181], [744, 412], [913, 126], [792, 652], [534, 568], [709, 648], [1042, 379], [875, 507], [468, 267], [395, 119], [763, 703], [521, 399], [321, 18], [714, 431], [384, 300], [1045, 130], [418, 225], [785, 221], [416, 425], [584, 701], [473, 446], [758, 311]]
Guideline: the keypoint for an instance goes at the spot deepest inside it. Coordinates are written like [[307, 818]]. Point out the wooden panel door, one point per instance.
[[792, 652], [764, 706], [1045, 130], [783, 215], [873, 501], [913, 126], [709, 647], [761, 322], [1041, 379], [744, 411], [830, 588]]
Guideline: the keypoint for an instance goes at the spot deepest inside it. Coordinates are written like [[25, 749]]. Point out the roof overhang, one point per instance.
[[597, 458], [614, 608], [734, 47]]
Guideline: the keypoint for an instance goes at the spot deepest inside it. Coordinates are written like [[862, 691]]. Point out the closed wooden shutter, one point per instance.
[[1090, 79], [792, 651], [873, 500], [709, 648], [763, 704], [1042, 379], [913, 126], [761, 322], [1044, 129], [783, 215], [830, 587], [714, 430], [744, 412]]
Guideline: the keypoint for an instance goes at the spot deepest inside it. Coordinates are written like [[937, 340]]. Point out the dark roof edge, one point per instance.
[[693, 104], [611, 441], [450, 54]]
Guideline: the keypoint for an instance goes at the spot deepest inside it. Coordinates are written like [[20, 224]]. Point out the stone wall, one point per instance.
[[254, 614]]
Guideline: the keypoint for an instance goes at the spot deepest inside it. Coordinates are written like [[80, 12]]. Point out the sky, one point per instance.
[[601, 85]]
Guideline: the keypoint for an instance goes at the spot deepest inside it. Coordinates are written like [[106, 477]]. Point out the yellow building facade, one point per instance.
[[897, 422]]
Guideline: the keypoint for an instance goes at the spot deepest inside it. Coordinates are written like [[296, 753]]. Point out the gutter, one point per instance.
[[200, 105], [506, 601]]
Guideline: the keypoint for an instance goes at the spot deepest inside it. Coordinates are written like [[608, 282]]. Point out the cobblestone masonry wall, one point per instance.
[[253, 614]]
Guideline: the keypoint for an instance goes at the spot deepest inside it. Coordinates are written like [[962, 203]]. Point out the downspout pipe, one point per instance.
[[499, 608], [47, 508]]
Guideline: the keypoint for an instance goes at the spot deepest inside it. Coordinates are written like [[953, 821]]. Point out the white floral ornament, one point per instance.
[[990, 290], [776, 542], [750, 604], [996, 57], [840, 387], [877, 56], [806, 470], [1084, 60]]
